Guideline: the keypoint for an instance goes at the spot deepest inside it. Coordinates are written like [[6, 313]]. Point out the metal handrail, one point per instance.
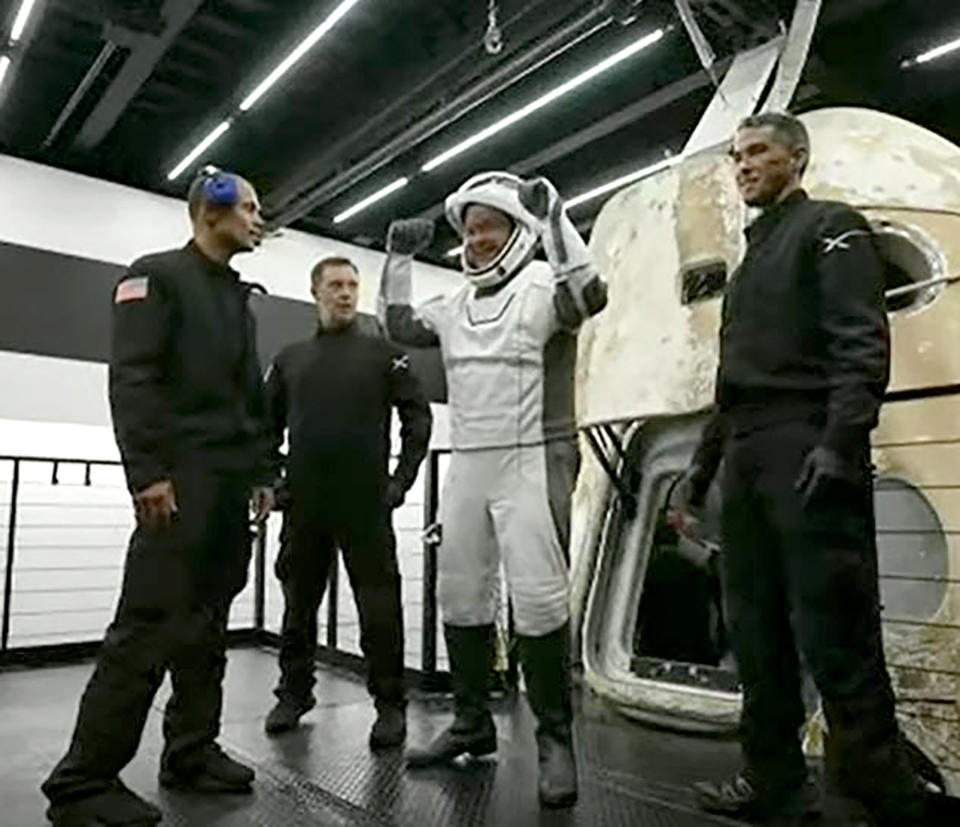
[[259, 631]]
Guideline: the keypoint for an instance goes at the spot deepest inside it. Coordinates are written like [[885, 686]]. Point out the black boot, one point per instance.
[[210, 770], [286, 715], [741, 797], [471, 652], [115, 805], [547, 674], [390, 728], [879, 775]]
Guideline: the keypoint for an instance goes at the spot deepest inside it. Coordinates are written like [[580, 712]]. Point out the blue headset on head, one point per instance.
[[220, 189]]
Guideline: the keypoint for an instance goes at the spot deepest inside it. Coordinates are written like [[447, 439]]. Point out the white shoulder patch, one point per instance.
[[840, 242]]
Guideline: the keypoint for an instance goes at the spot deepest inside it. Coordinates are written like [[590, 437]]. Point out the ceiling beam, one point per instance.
[[144, 57], [221, 26], [202, 49], [842, 12], [653, 102]]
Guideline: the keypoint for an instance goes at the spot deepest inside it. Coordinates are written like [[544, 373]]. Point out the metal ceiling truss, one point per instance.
[[284, 208], [145, 53], [306, 190]]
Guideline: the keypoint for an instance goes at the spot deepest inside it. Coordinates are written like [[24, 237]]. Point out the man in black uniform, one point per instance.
[[804, 362], [335, 393], [188, 412]]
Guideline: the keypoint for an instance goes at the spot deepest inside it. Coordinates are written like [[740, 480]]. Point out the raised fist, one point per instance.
[[538, 197], [409, 236]]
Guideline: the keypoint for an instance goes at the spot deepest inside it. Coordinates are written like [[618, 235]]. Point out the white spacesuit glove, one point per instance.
[[405, 238], [581, 292], [409, 236]]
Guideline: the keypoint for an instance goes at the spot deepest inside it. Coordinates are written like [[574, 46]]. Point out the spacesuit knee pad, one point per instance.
[[540, 608], [464, 601]]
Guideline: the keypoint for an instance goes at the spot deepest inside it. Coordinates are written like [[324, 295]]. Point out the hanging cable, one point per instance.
[[493, 39]]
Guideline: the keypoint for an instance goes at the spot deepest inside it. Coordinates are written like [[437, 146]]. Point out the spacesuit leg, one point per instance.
[[468, 566], [532, 542], [468, 560], [531, 509]]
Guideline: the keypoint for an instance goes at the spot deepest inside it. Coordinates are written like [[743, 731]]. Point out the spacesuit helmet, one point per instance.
[[499, 191]]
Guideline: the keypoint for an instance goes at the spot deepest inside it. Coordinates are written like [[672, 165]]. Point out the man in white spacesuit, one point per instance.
[[508, 341]]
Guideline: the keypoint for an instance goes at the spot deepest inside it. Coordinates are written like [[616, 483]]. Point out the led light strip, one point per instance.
[[20, 22], [933, 54], [194, 153], [618, 183], [269, 81], [554, 94], [518, 115], [305, 46], [379, 195], [16, 33]]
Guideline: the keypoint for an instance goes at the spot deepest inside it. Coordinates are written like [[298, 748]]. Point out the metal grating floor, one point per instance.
[[324, 774]]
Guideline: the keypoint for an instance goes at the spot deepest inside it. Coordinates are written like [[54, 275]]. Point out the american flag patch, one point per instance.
[[131, 290]]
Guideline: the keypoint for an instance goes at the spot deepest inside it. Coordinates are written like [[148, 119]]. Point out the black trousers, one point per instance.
[[804, 579], [312, 533], [177, 588]]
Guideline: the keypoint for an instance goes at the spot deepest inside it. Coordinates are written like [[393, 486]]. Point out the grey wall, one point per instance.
[[58, 305]]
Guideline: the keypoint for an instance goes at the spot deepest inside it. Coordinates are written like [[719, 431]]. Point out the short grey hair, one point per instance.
[[787, 129]]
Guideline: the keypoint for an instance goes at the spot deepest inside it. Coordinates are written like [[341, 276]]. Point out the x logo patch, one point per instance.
[[399, 363], [840, 242]]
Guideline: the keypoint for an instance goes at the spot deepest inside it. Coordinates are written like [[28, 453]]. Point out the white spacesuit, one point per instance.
[[508, 341]]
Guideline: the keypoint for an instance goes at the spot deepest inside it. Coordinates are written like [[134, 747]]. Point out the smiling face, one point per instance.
[[486, 232], [767, 168], [336, 289]]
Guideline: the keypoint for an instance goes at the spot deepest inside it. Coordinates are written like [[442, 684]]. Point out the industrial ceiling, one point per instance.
[[125, 89]]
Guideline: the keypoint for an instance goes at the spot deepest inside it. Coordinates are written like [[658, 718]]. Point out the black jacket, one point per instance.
[[185, 385], [804, 318], [335, 393]]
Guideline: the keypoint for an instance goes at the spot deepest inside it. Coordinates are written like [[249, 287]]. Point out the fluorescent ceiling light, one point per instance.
[[19, 24], [194, 153], [4, 65], [550, 97], [455, 252], [933, 54], [603, 189], [305, 46], [400, 183]]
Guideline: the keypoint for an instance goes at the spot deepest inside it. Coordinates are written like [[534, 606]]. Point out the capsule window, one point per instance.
[[702, 281], [912, 551], [910, 264]]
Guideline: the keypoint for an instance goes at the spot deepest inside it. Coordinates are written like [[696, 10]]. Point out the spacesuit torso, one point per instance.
[[509, 363]]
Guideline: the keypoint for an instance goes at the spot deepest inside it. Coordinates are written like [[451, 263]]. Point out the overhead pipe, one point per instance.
[[80, 92]]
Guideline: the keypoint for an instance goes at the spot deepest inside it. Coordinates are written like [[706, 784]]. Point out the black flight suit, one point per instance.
[[804, 361], [187, 402], [335, 393]]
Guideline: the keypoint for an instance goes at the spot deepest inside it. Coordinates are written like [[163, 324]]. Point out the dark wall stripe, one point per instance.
[[55, 304]]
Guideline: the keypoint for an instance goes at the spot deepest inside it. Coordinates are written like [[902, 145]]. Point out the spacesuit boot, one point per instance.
[[472, 732], [547, 674]]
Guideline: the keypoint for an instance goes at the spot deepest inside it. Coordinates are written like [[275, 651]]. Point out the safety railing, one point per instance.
[[66, 524]]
